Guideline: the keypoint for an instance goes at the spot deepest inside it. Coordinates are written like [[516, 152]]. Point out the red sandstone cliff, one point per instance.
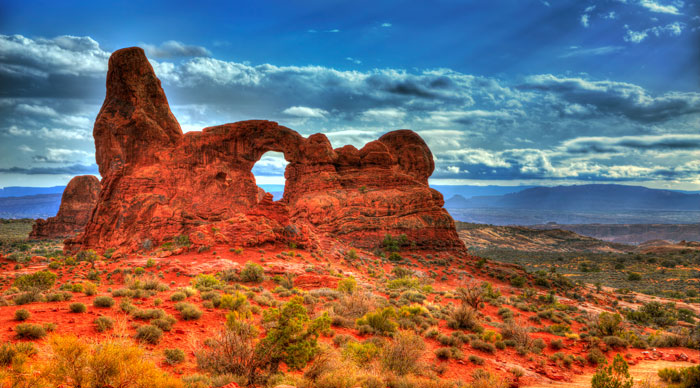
[[77, 202], [159, 183]]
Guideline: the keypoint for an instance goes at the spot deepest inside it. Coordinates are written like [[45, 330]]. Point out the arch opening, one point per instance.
[[269, 173]]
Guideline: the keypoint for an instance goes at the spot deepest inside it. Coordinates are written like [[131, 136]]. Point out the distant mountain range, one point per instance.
[[583, 198], [20, 191], [30, 206]]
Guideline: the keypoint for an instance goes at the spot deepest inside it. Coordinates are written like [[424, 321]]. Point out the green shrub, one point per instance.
[[165, 322], [188, 311], [22, 315], [595, 357], [292, 339], [235, 302], [682, 378], [518, 281], [654, 313], [42, 281], [27, 297], [146, 314], [103, 323], [178, 296], [362, 353], [476, 359], [30, 331], [103, 301], [149, 334], [483, 346], [347, 285], [252, 273], [204, 281], [634, 277], [381, 321], [77, 307], [174, 356], [613, 376], [615, 342]]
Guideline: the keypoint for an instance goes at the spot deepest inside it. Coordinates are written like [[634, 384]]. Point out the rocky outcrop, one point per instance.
[[77, 202], [159, 183]]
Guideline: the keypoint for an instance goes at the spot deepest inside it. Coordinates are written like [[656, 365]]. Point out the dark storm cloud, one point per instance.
[[608, 144], [75, 169], [617, 98]]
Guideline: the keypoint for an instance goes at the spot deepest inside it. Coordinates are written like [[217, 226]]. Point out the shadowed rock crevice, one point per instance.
[[159, 183]]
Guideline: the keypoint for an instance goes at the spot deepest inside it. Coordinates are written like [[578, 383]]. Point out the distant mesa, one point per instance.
[[77, 202], [159, 183]]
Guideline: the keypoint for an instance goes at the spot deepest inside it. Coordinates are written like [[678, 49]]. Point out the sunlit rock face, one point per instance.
[[159, 183], [78, 199]]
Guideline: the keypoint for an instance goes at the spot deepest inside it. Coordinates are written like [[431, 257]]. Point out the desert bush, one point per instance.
[[75, 363], [402, 355], [27, 297], [361, 353], [683, 378], [347, 285], [556, 344], [381, 321], [606, 324], [188, 311], [518, 334], [235, 302], [61, 296], [103, 301], [30, 331], [595, 356], [149, 333], [103, 323], [252, 273], [615, 342], [483, 346], [22, 315], [233, 351], [89, 288], [174, 356], [8, 351], [146, 314], [654, 313], [77, 307], [204, 281], [178, 296], [42, 281], [484, 379], [353, 306], [464, 317], [613, 376], [164, 323]]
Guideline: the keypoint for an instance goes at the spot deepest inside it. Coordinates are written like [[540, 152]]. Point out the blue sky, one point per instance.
[[505, 92]]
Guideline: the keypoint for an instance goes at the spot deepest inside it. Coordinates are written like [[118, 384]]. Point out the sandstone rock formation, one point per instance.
[[159, 183], [77, 202]]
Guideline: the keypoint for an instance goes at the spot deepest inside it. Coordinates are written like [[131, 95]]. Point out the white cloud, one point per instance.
[[304, 111], [671, 29], [62, 155], [385, 114], [655, 6], [386, 25], [353, 60], [25, 148], [585, 20], [79, 56]]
